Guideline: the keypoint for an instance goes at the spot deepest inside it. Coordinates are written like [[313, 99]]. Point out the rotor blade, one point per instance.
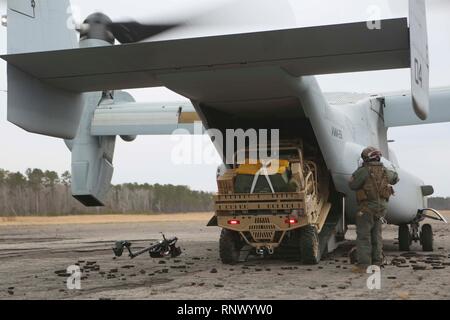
[[130, 32], [234, 17]]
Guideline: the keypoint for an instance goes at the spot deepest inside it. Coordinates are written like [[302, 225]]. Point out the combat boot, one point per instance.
[[358, 268]]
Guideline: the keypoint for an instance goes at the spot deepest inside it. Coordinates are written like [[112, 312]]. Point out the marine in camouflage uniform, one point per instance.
[[373, 185]]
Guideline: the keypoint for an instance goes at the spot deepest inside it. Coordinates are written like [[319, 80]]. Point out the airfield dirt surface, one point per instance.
[[34, 252]]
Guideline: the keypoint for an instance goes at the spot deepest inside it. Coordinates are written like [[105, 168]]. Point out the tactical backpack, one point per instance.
[[377, 185]]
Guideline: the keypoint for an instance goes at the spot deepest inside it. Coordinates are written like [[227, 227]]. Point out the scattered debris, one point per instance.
[[398, 261], [404, 295], [405, 265], [410, 254], [419, 267], [163, 248], [438, 267], [62, 273], [287, 268]]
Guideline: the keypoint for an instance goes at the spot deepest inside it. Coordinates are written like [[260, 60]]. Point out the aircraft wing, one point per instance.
[[302, 51], [398, 113]]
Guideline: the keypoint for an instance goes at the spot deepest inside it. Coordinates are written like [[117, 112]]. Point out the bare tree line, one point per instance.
[[40, 192], [439, 203]]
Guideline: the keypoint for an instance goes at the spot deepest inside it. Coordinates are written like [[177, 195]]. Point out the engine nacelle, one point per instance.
[[92, 156], [128, 138], [408, 199]]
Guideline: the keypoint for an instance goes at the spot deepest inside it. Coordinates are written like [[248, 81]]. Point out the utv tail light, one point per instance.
[[234, 222], [291, 221]]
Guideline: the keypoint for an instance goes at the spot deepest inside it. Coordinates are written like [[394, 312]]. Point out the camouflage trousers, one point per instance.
[[369, 241]]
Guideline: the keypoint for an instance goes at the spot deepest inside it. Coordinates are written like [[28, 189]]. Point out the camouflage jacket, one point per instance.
[[373, 185]]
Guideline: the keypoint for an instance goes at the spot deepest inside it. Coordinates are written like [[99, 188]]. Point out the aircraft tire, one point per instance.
[[229, 246], [426, 238], [309, 245], [404, 237]]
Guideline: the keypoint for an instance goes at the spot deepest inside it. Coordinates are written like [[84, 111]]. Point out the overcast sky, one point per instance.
[[423, 150]]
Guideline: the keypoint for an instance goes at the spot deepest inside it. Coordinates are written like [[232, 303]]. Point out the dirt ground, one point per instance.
[[34, 252]]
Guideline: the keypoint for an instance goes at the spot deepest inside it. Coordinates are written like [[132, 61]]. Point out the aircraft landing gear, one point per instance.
[[409, 234], [404, 237], [414, 233], [426, 238]]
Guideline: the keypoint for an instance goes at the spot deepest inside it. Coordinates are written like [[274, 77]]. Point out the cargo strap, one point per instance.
[[264, 171]]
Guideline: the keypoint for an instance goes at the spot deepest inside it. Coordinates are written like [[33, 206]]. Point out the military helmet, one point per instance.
[[371, 154]]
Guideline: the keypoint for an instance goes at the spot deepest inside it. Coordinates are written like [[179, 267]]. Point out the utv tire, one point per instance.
[[309, 245], [426, 238], [404, 237], [230, 246]]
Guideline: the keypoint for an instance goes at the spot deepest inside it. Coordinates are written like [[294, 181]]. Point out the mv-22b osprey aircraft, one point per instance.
[[69, 89]]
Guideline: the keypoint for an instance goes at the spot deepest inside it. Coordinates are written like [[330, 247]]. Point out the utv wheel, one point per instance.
[[230, 246], [309, 245], [426, 238], [404, 237]]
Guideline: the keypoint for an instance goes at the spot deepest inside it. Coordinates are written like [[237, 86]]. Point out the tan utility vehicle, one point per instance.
[[266, 206]]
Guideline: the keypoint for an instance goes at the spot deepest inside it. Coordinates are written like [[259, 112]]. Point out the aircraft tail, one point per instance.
[[41, 25]]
